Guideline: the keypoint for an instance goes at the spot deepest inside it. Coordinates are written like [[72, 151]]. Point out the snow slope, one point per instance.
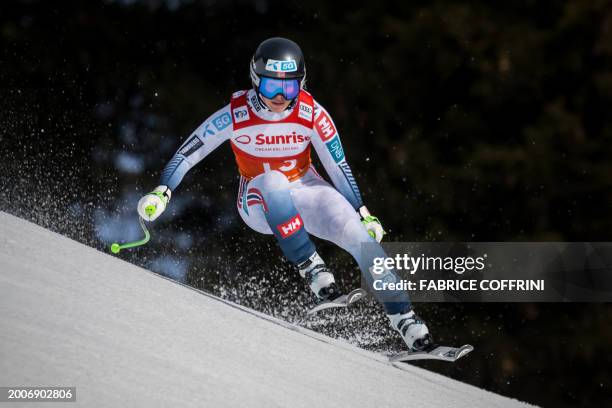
[[73, 316]]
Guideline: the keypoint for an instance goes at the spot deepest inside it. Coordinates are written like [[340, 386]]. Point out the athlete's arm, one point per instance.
[[206, 138], [326, 142]]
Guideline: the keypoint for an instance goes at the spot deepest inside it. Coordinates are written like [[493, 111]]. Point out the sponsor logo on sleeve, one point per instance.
[[191, 145], [305, 111], [238, 94], [335, 148], [290, 227], [325, 127], [241, 114], [208, 130], [281, 66], [222, 121]]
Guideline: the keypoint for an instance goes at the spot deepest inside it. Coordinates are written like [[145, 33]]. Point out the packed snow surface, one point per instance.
[[125, 337]]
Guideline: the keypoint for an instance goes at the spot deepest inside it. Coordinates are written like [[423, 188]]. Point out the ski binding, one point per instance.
[[341, 301], [443, 353]]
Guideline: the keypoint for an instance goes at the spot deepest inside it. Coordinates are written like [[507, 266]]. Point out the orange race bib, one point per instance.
[[260, 145]]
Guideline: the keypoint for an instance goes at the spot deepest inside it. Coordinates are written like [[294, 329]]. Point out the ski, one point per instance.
[[341, 301], [443, 353]]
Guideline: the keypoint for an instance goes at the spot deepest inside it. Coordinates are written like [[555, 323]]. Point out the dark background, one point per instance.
[[462, 122]]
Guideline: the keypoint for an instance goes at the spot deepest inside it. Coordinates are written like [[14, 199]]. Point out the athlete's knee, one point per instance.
[[274, 180], [350, 236], [348, 224]]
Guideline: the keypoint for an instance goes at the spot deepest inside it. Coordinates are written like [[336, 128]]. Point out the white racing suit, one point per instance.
[[280, 192]]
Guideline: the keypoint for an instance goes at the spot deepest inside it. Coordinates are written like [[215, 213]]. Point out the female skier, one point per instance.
[[272, 128]]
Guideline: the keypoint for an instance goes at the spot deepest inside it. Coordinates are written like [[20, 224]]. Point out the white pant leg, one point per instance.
[[328, 215], [250, 207]]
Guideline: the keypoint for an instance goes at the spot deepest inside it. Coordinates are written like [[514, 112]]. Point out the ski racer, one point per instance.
[[272, 129]]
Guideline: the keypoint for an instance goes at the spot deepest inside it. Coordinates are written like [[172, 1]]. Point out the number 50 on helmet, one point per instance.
[[278, 67]]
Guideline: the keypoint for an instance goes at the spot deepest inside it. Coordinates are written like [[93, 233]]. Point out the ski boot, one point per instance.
[[319, 278], [413, 330]]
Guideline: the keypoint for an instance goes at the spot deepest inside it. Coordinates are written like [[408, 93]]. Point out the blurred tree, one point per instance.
[[462, 121]]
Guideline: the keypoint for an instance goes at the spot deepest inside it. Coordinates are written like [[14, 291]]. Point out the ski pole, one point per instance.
[[116, 247]]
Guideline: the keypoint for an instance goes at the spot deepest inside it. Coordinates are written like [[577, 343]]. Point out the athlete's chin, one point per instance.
[[277, 107]]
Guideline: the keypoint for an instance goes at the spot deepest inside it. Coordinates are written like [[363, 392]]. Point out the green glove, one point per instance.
[[372, 224]]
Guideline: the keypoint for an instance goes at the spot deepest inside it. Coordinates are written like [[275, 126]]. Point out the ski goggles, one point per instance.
[[270, 87]]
